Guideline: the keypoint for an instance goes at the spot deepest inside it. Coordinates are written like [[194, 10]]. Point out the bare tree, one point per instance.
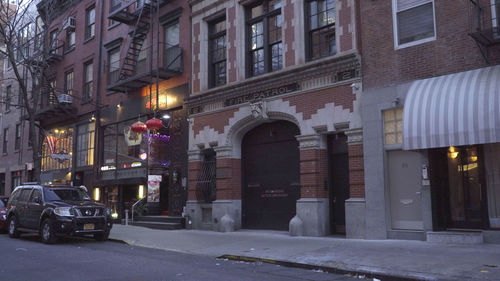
[[23, 38]]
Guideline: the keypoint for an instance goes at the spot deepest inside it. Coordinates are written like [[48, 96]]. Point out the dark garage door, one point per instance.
[[271, 178]]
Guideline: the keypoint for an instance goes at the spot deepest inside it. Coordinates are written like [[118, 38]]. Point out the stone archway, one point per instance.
[[270, 175]]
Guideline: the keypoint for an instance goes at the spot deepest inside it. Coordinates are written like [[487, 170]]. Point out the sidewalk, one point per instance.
[[391, 258]]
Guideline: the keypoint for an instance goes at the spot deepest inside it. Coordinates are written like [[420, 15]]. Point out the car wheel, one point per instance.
[[47, 233], [101, 236], [12, 227]]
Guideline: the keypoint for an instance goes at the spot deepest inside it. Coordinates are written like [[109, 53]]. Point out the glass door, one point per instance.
[[466, 188]]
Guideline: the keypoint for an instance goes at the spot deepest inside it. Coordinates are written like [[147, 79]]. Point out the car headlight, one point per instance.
[[63, 211]]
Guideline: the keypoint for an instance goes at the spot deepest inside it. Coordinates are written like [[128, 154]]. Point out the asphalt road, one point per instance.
[[28, 259]]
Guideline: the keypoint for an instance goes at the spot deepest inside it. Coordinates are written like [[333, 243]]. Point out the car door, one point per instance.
[[34, 209], [21, 206]]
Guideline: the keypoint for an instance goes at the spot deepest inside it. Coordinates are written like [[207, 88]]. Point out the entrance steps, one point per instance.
[[455, 237], [159, 222]]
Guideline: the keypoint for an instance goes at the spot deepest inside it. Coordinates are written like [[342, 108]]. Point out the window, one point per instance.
[[68, 82], [90, 23], [114, 65], [321, 24], [53, 42], [20, 96], [17, 143], [172, 46], [63, 147], [88, 80], [393, 126], [497, 13], [70, 39], [414, 21], [52, 98], [16, 181], [206, 182], [8, 97], [265, 47], [5, 140], [35, 193], [85, 145], [217, 47]]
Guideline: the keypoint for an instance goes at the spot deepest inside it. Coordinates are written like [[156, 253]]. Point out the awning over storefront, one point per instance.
[[452, 110]]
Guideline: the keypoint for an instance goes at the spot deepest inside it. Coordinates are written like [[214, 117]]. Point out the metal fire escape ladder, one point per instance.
[[483, 27], [138, 36]]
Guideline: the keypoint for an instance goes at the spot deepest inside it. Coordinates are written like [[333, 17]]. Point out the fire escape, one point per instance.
[[54, 102], [484, 21], [142, 65]]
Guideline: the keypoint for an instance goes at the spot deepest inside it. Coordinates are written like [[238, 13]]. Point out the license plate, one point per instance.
[[88, 226]]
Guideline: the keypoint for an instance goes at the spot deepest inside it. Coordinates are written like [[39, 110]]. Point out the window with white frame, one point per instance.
[[413, 21], [496, 13]]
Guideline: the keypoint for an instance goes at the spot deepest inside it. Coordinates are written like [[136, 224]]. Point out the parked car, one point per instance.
[[56, 211], [3, 212]]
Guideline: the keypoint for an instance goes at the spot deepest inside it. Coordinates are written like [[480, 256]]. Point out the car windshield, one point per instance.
[[69, 194]]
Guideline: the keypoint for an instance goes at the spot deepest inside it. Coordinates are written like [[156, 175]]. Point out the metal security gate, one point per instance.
[[271, 176]]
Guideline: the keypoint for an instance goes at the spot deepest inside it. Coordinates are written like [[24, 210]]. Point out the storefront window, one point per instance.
[[393, 126], [57, 149], [123, 148], [85, 145]]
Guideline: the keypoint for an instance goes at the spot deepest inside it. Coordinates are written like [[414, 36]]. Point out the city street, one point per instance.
[[85, 259]]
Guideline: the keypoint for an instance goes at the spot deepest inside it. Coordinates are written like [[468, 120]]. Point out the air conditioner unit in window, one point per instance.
[[69, 23], [65, 99]]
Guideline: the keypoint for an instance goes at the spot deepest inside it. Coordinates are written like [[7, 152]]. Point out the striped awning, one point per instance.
[[452, 110]]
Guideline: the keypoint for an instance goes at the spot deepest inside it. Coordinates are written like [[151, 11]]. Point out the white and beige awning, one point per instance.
[[452, 110]]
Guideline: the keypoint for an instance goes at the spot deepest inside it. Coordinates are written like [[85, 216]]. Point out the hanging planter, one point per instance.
[[139, 127], [154, 124]]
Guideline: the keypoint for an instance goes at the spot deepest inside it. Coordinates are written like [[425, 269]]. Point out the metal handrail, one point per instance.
[[136, 203]]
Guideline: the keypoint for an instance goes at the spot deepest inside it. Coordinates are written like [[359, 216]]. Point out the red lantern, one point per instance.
[[154, 124], [139, 127]]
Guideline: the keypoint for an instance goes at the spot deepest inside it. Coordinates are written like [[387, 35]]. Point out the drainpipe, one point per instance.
[[97, 130]]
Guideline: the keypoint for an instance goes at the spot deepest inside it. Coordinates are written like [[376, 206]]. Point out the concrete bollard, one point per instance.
[[226, 224], [296, 226]]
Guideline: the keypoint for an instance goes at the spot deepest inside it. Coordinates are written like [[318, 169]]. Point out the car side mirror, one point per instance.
[[36, 199]]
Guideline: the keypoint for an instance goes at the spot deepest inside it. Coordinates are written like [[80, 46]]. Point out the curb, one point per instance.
[[336, 270], [383, 276]]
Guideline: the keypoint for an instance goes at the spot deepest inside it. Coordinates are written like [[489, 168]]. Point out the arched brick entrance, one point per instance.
[[271, 175]]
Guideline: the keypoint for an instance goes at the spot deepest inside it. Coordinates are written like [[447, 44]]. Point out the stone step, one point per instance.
[[158, 225], [455, 237], [166, 219]]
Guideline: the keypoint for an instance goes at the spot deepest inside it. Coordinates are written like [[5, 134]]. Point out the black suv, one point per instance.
[[55, 211]]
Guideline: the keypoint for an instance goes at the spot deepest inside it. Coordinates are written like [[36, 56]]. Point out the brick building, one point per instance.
[[275, 137], [16, 154], [430, 119], [115, 63]]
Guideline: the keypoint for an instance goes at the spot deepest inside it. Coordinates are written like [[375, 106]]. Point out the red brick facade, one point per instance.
[[194, 168], [231, 38], [196, 59], [309, 104], [313, 173], [452, 51], [345, 22], [216, 121], [228, 179], [289, 33], [356, 171]]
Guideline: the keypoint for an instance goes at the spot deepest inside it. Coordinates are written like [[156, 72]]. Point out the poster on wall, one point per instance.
[[154, 188], [131, 138]]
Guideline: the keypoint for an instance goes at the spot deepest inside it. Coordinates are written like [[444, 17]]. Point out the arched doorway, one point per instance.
[[271, 175]]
